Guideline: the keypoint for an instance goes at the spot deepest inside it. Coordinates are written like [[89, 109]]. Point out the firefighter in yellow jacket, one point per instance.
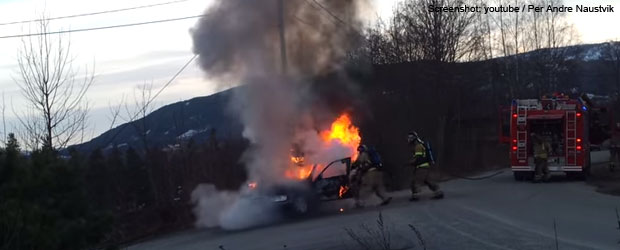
[[367, 179], [541, 156], [421, 168]]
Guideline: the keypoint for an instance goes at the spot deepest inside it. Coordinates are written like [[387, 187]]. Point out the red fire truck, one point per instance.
[[561, 121]]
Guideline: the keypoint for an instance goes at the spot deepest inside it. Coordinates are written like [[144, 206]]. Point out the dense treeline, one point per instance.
[[80, 201], [44, 203]]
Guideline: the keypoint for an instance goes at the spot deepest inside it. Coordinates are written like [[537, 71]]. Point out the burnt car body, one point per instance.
[[304, 196]]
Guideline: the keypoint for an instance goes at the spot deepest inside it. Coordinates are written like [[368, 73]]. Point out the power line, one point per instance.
[[94, 13], [317, 8], [150, 100], [172, 79], [305, 22], [101, 28], [329, 12], [322, 7]]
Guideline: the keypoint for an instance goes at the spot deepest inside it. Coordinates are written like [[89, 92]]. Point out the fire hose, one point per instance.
[[476, 178], [470, 178]]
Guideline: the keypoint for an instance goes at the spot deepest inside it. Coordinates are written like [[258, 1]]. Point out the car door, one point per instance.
[[330, 179]]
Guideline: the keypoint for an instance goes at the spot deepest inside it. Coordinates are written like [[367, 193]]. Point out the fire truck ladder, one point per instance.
[[522, 131], [571, 138]]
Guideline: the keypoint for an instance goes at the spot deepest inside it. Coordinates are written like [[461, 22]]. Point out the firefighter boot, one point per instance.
[[386, 201], [414, 197]]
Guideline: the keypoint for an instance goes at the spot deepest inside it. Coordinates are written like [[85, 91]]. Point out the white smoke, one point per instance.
[[231, 210], [211, 204], [269, 112], [238, 40]]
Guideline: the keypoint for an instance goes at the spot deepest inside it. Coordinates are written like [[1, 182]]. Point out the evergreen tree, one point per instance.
[[44, 204], [98, 177], [138, 187]]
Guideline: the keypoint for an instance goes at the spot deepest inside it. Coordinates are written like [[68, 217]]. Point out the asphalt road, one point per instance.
[[495, 213]]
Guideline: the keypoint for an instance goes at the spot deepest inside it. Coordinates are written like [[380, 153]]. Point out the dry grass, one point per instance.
[[372, 238], [379, 236]]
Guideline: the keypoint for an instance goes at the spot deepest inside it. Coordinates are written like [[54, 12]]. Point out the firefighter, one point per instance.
[[541, 154], [614, 147], [421, 168], [366, 178]]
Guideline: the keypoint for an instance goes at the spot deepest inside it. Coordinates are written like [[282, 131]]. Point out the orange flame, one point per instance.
[[341, 131], [252, 185], [344, 132], [297, 159], [343, 190], [300, 170]]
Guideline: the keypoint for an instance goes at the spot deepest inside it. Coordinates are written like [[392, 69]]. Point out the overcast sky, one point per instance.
[[127, 57]]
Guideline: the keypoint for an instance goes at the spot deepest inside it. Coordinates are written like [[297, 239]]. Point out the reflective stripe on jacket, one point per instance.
[[541, 150], [420, 156]]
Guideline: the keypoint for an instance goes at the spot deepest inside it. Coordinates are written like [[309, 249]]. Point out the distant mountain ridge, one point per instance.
[[581, 52], [173, 124]]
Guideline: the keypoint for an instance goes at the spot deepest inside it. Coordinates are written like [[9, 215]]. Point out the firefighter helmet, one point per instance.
[[412, 136], [362, 148]]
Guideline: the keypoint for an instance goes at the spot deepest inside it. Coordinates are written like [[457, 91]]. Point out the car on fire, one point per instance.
[[304, 196]]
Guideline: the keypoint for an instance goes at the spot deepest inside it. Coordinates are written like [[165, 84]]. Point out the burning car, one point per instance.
[[311, 179], [299, 197]]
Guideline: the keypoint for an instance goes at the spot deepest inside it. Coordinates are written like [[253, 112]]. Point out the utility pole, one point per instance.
[[282, 38]]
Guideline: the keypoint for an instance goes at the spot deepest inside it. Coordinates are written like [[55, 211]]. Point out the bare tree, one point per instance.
[[509, 27], [546, 35], [143, 105], [414, 33], [115, 111], [29, 134], [53, 88], [440, 36]]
